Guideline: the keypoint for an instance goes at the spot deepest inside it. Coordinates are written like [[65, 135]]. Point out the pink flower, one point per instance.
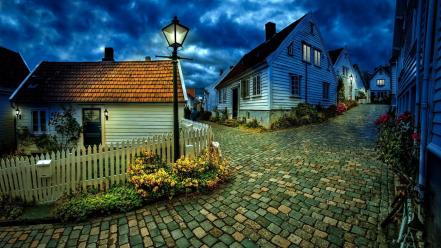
[[382, 119], [341, 107], [415, 136], [404, 117]]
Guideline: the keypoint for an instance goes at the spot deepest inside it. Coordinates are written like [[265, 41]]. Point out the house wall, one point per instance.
[[253, 104], [7, 115], [211, 99], [282, 65], [126, 121], [357, 83], [380, 75]]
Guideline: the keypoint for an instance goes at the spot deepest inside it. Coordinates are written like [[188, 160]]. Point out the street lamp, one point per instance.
[[175, 35], [350, 79]]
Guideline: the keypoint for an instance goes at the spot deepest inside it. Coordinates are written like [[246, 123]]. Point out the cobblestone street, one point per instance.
[[312, 186]]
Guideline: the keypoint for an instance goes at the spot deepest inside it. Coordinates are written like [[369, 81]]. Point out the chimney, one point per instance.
[[270, 30], [108, 54], [148, 58]]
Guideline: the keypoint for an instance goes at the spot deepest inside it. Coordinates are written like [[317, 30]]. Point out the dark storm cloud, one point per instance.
[[221, 31]]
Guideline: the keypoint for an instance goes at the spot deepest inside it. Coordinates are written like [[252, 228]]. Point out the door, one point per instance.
[[92, 127], [235, 102]]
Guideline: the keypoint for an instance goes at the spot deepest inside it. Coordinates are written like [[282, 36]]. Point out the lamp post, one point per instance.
[[175, 35], [350, 79]]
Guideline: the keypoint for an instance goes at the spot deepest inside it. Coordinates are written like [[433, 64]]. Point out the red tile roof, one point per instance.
[[191, 92], [99, 82], [258, 54], [12, 68]]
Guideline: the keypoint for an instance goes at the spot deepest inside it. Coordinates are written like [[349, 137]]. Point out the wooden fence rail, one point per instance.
[[99, 166]]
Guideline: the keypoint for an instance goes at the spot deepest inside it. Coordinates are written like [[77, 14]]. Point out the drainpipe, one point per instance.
[[418, 64], [306, 82], [424, 96]]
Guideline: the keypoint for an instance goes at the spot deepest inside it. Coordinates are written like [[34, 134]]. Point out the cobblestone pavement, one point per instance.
[[312, 186]]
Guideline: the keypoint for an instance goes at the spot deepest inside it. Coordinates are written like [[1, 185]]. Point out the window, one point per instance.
[[256, 85], [295, 85], [222, 96], [291, 49], [39, 121], [317, 57], [345, 71], [306, 53], [380, 82], [245, 88], [325, 91], [225, 95]]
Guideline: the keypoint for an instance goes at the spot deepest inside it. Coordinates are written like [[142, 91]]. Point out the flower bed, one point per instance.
[[150, 179], [398, 143]]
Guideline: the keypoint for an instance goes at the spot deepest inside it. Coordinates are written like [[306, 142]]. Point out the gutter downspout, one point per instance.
[[306, 82], [418, 65], [424, 96]]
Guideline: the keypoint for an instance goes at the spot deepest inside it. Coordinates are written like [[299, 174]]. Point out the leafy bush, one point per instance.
[[205, 115], [304, 114], [331, 111], [350, 103], [340, 90], [67, 127], [361, 95], [341, 108], [80, 206], [252, 124], [154, 179], [10, 208], [398, 143]]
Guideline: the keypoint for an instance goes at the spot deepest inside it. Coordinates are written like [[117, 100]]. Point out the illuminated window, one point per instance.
[[306, 53], [325, 94], [317, 57], [345, 71], [295, 84], [39, 121], [380, 82], [291, 49], [256, 85]]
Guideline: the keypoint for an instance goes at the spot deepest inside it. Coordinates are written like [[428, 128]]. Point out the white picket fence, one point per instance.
[[98, 167]]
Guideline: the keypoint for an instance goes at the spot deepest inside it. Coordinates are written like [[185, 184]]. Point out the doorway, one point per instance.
[[92, 127], [235, 102]]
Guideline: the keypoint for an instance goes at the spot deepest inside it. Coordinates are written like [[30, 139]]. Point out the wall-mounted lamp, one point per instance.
[[18, 113], [106, 114], [351, 77]]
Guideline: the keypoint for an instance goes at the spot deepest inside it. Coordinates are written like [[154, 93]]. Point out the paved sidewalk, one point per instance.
[[312, 186]]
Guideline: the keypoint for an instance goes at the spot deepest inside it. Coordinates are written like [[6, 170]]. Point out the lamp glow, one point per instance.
[[175, 33], [106, 114]]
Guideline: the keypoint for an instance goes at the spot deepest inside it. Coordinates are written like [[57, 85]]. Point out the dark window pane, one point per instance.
[[35, 121], [43, 121]]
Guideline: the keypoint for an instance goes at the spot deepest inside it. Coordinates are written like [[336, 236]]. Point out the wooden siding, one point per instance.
[[282, 65], [126, 121], [253, 102], [357, 83], [436, 90], [373, 82], [6, 121]]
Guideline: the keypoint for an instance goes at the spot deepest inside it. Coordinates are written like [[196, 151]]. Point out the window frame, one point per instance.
[[306, 48], [39, 120], [318, 55], [291, 49], [244, 91], [380, 80], [257, 85], [325, 90], [299, 82]]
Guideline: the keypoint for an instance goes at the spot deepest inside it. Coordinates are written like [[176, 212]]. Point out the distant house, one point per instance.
[[345, 70], [210, 96], [361, 84], [288, 68], [113, 101], [195, 98], [13, 70], [380, 88]]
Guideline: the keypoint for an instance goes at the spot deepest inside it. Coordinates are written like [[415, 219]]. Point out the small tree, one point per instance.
[[67, 128], [340, 90]]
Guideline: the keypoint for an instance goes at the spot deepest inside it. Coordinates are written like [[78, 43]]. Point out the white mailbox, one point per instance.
[[44, 169]]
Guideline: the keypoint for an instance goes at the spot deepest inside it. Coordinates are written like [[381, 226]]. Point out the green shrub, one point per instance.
[[80, 206], [10, 208], [252, 124]]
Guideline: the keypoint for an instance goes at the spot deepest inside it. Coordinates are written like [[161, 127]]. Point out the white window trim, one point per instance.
[[39, 122], [253, 86]]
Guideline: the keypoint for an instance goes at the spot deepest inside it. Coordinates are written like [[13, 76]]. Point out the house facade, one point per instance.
[[13, 70], [112, 101], [290, 67], [417, 34], [380, 87], [345, 71]]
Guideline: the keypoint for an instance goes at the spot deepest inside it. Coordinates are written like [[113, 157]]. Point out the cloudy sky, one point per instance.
[[221, 31]]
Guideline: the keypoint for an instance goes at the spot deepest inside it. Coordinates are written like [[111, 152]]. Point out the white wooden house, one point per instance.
[[113, 101], [289, 67], [13, 70], [380, 88], [345, 70]]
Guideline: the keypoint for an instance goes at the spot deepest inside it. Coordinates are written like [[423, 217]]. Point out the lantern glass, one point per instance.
[[175, 33]]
